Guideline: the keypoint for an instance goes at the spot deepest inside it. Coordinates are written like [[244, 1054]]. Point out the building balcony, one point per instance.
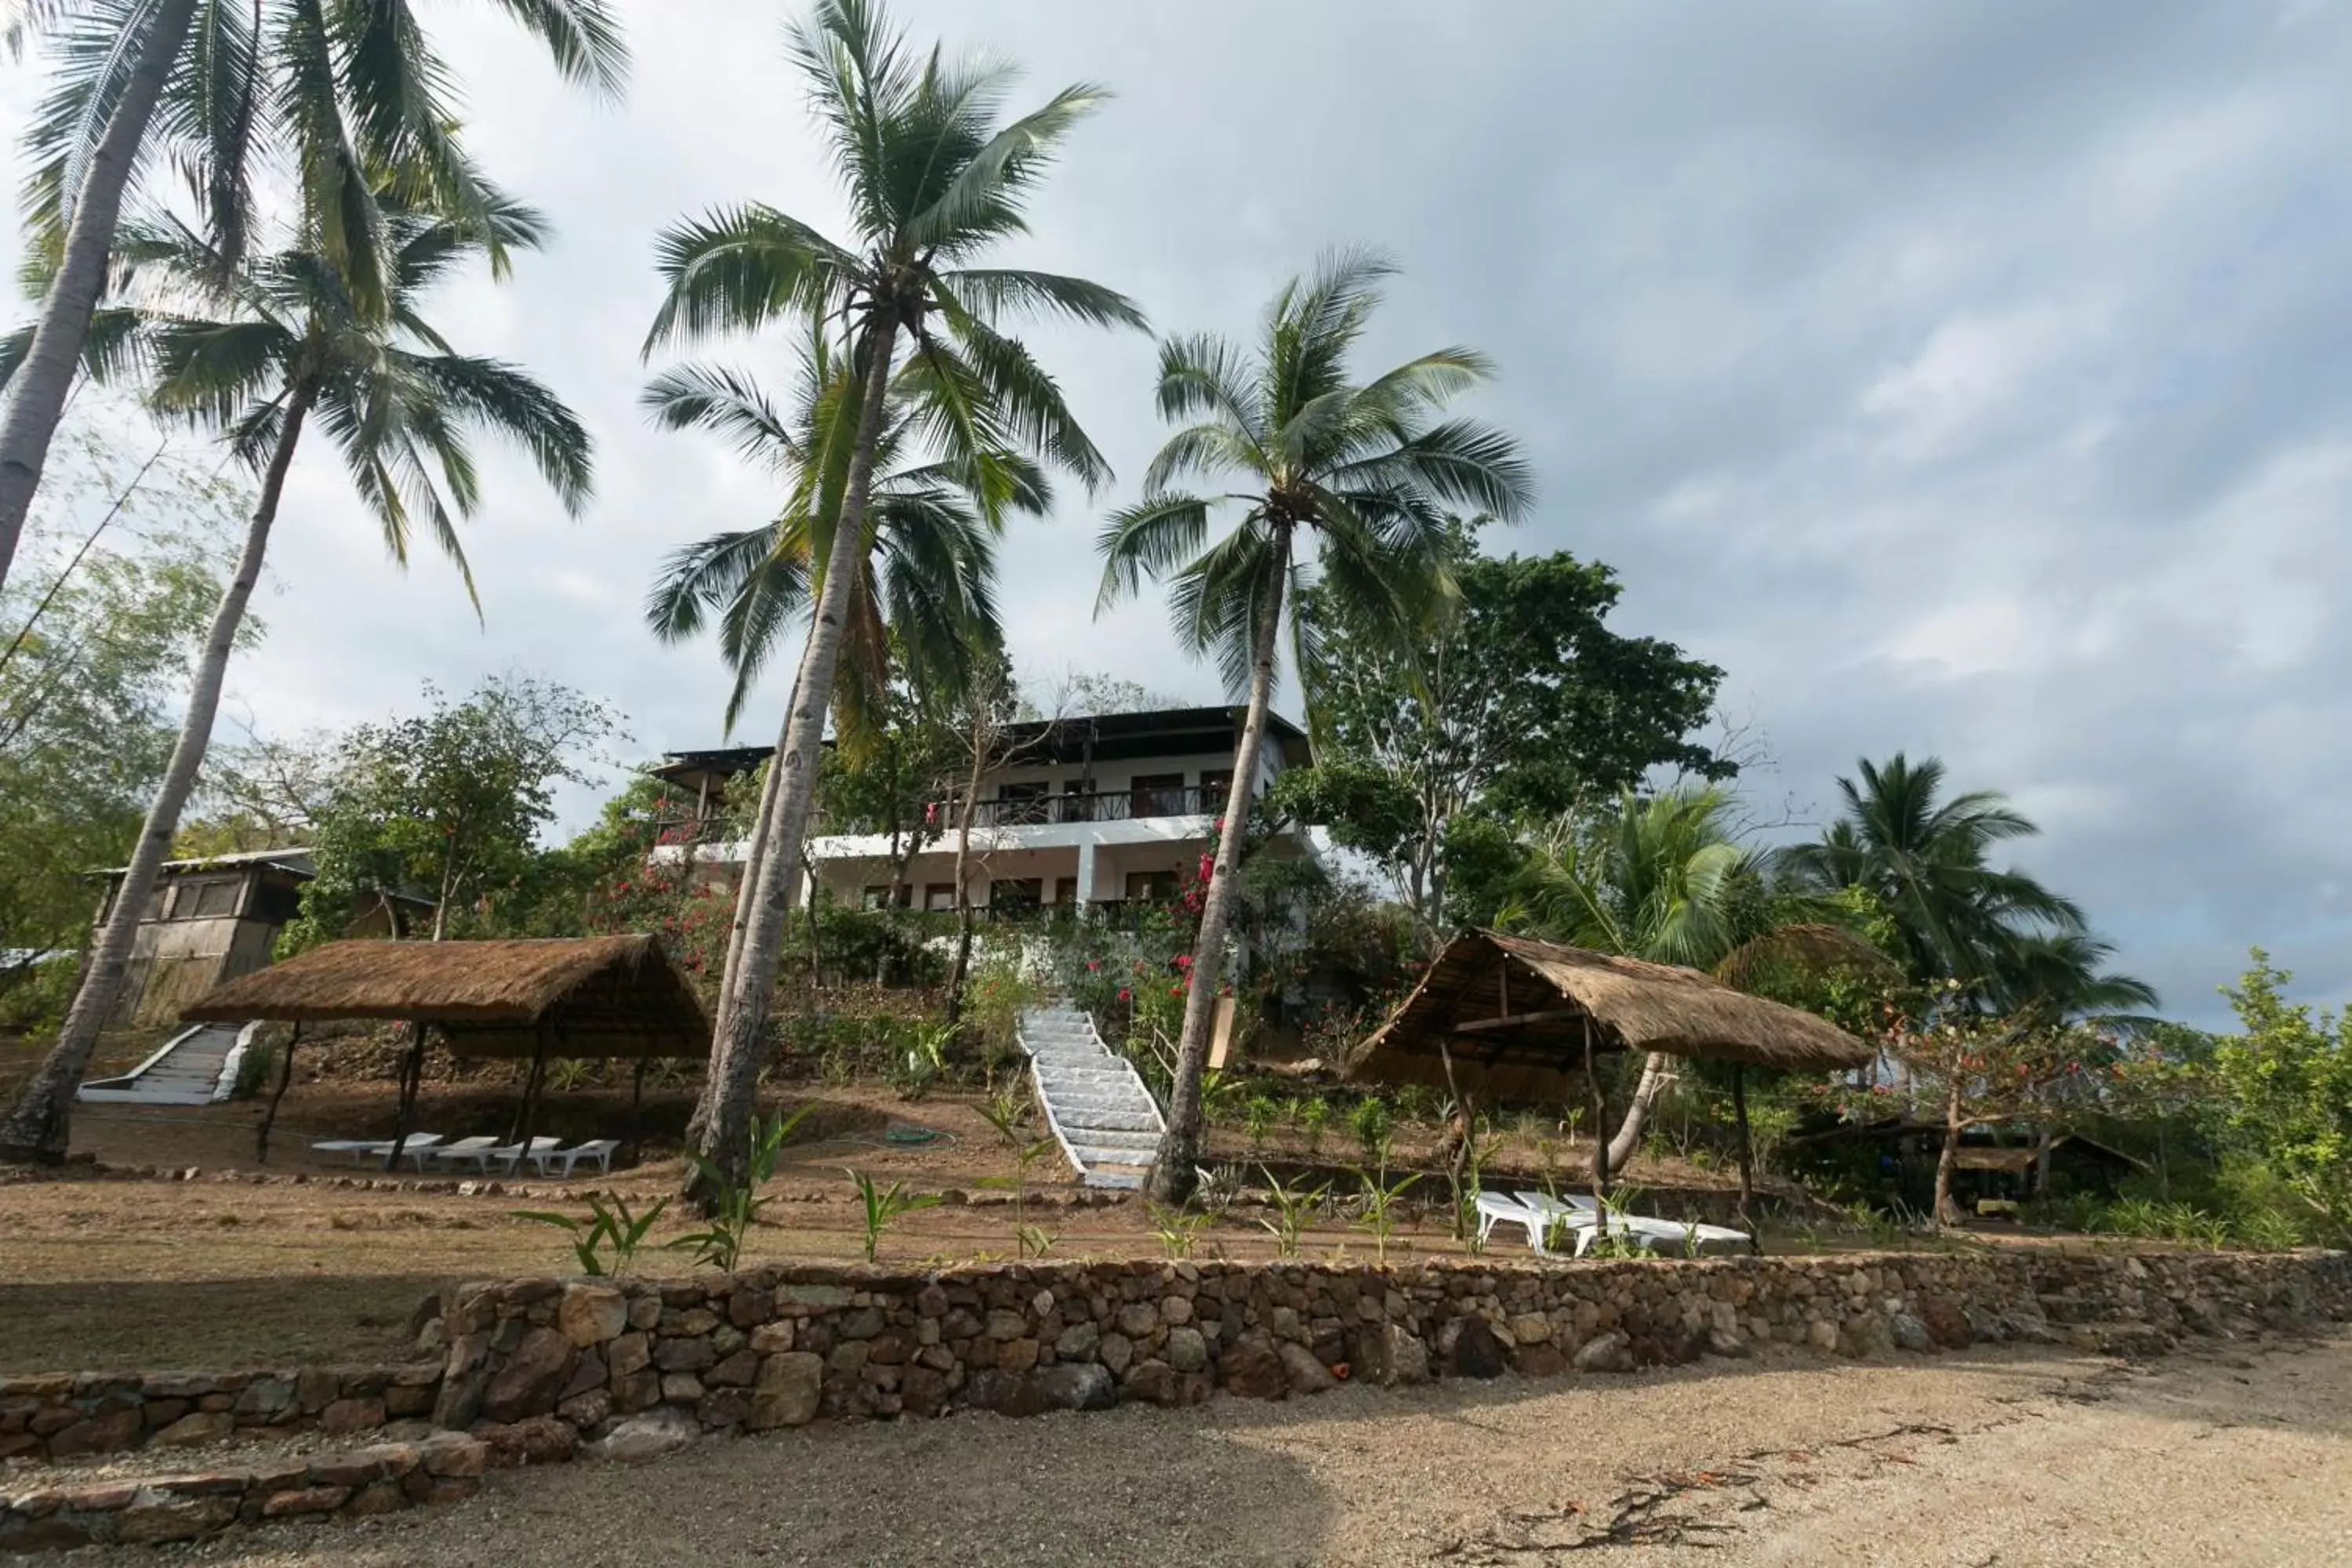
[[1087, 806]]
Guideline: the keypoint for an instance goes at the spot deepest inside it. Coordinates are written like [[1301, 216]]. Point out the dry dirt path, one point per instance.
[[1993, 1459]]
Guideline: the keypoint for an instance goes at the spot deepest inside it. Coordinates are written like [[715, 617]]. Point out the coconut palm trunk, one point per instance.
[[1657, 1072], [1176, 1162], [738, 1040], [38, 1129], [48, 375]]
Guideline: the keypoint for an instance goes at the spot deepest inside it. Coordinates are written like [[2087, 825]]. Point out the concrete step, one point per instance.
[[1119, 1178]]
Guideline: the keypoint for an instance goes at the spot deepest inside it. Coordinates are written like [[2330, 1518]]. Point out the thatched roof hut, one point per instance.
[[1509, 1015], [568, 997]]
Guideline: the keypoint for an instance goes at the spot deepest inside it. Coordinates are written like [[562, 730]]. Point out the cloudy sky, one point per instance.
[[1965, 378]]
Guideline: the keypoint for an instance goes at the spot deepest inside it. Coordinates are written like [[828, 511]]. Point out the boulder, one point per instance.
[[790, 1388], [188, 1431], [1077, 1385], [1253, 1371], [1910, 1333], [1187, 1350], [1946, 1324], [1727, 1343], [532, 1379], [1611, 1351], [1307, 1375], [1865, 1336], [1388, 1355], [648, 1436], [591, 1314], [1079, 1341], [1467, 1347], [1006, 1393]]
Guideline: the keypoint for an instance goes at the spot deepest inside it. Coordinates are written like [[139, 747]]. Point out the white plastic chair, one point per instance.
[[600, 1150], [1651, 1233], [463, 1150], [1496, 1208], [364, 1149]]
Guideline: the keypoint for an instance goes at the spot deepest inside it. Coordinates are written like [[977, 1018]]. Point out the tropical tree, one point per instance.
[[1928, 860], [922, 592], [933, 181], [259, 351], [1340, 481], [348, 93]]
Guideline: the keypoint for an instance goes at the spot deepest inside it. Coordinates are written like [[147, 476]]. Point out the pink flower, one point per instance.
[[1092, 966], [1183, 961], [1125, 994]]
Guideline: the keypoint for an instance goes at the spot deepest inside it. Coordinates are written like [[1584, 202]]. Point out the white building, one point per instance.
[[1099, 811]]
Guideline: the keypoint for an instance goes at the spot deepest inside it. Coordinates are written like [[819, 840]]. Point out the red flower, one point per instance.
[[1125, 994], [1183, 961], [1092, 966], [1177, 989]]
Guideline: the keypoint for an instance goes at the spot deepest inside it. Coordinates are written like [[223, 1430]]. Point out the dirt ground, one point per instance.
[[1972, 1460]]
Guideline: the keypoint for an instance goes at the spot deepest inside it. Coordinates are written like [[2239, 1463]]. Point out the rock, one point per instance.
[[648, 1436], [1116, 1352], [1175, 1310], [432, 1338], [1530, 1329], [789, 1389], [1822, 1334], [1006, 1393], [1017, 1355], [1306, 1373], [1079, 1341], [1467, 1347], [1865, 1336], [591, 1314], [1187, 1351], [685, 1354], [634, 1352], [772, 1339], [680, 1387], [188, 1431], [1540, 1360], [535, 1441], [304, 1500], [173, 1521], [1253, 1371], [532, 1379], [1727, 1343], [101, 1433], [1006, 1325], [453, 1454], [1388, 1354], [1137, 1319], [1611, 1351], [1910, 1333], [1946, 1324], [923, 1391], [1153, 1382], [345, 1416], [1077, 1385]]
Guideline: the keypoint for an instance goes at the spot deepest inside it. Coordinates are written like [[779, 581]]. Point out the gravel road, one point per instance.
[[2239, 1455]]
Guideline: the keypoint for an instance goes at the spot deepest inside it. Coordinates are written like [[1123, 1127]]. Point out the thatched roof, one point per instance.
[[1512, 1014], [593, 997]]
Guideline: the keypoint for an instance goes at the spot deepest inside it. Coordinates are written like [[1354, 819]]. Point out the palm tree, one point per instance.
[[926, 577], [1338, 479], [933, 181], [1928, 862], [349, 92], [259, 352]]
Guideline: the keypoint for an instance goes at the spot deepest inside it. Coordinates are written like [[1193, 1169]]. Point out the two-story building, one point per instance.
[[1096, 811]]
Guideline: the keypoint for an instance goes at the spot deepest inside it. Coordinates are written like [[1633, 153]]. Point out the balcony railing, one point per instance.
[[1104, 805]]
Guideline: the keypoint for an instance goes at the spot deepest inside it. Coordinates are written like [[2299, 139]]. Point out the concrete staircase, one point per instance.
[[198, 1068], [1105, 1120]]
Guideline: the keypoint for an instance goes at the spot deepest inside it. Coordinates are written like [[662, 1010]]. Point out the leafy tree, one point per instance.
[[1928, 860], [934, 181], [268, 345], [1341, 477], [448, 804], [895, 784], [1518, 702], [2284, 1090], [94, 653], [1982, 1071], [348, 93]]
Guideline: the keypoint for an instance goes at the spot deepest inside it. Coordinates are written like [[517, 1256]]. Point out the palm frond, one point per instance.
[[726, 401], [739, 269], [1150, 539]]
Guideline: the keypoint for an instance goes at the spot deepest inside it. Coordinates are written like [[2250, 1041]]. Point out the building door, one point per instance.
[[1155, 795]]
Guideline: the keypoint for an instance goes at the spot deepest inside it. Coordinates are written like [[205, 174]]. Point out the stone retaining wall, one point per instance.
[[74, 1414], [444, 1467], [783, 1346]]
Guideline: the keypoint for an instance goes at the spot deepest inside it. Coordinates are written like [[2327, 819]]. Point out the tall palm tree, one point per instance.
[[1928, 862], [260, 350], [933, 181], [348, 93], [1343, 479], [926, 576]]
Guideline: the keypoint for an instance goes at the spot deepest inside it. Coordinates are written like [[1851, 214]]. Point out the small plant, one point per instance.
[[1293, 1207], [1177, 1229], [1377, 1207], [569, 1073], [1258, 1118], [919, 1063], [1465, 1222], [1218, 1189], [1372, 1122], [884, 1206], [735, 1209], [1035, 1241], [2268, 1230], [1008, 1112], [1314, 1116], [1220, 1095], [609, 1226]]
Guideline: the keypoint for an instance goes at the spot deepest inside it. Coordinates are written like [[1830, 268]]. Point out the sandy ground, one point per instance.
[[1989, 1459]]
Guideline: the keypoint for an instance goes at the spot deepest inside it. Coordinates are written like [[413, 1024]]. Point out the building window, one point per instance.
[[1022, 803], [215, 898], [1216, 786], [1077, 802], [1065, 890], [1015, 893], [1151, 886], [939, 896], [1156, 794], [875, 897]]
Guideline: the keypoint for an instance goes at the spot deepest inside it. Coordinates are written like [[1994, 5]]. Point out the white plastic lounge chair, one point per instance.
[[1499, 1209], [1657, 1234], [1580, 1214], [600, 1150], [365, 1150], [462, 1150], [507, 1156]]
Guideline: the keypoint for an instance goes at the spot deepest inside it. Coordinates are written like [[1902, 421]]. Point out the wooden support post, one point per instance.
[[1600, 1127], [636, 1110], [528, 1112], [270, 1116], [412, 1074], [1746, 1155]]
